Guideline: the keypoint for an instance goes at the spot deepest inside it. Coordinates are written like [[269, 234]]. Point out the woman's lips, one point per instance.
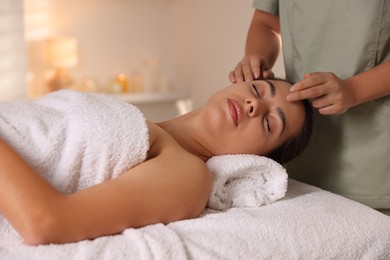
[[235, 111]]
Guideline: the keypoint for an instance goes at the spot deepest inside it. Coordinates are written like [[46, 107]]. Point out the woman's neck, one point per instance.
[[187, 132]]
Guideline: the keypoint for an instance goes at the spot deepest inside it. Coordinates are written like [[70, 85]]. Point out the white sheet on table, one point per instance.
[[308, 223]]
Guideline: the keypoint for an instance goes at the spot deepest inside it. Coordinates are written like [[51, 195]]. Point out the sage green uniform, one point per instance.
[[348, 154]]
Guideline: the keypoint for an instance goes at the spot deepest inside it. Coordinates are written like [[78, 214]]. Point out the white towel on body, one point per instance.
[[245, 180], [74, 140]]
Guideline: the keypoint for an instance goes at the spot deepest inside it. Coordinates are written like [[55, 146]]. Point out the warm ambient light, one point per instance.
[[61, 54]]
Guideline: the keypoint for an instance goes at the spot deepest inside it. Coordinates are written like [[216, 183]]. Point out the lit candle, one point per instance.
[[123, 82]]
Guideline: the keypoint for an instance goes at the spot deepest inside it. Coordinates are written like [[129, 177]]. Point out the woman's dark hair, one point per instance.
[[295, 145]]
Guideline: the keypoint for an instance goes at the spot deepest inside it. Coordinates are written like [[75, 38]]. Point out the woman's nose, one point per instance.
[[253, 107]]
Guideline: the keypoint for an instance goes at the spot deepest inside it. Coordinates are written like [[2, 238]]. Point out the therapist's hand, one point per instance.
[[250, 68], [328, 93]]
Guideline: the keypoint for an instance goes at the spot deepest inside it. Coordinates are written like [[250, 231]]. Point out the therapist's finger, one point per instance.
[[268, 74], [238, 73], [232, 77], [334, 109], [309, 82], [255, 67], [311, 74], [247, 71], [322, 102], [309, 93]]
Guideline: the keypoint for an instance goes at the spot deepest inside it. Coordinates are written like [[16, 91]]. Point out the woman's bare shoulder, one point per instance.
[[161, 142], [166, 149], [178, 178]]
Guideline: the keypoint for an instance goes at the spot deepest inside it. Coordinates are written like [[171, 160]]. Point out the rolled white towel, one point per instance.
[[245, 180]]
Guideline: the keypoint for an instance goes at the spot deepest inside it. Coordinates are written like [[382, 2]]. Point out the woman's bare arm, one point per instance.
[[174, 185], [24, 195]]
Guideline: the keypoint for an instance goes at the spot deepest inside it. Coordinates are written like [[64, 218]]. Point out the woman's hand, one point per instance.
[[250, 68], [328, 93]]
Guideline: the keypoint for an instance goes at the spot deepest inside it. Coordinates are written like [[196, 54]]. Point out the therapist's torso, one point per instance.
[[348, 154]]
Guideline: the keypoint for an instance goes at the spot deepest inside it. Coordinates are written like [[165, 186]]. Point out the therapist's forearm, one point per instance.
[[263, 37], [370, 85], [24, 195]]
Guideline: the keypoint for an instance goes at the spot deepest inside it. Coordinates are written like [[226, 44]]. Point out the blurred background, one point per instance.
[[144, 51]]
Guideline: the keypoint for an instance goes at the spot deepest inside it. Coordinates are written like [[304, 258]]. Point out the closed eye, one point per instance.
[[255, 89], [268, 124]]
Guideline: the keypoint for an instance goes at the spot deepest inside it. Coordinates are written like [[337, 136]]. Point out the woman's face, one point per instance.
[[251, 117]]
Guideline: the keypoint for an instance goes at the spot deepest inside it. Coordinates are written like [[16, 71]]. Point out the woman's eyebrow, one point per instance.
[[271, 88], [280, 112], [282, 117]]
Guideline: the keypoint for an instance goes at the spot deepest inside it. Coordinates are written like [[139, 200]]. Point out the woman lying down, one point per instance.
[[142, 172]]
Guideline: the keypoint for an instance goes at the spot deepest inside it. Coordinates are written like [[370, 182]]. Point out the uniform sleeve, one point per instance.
[[270, 6]]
